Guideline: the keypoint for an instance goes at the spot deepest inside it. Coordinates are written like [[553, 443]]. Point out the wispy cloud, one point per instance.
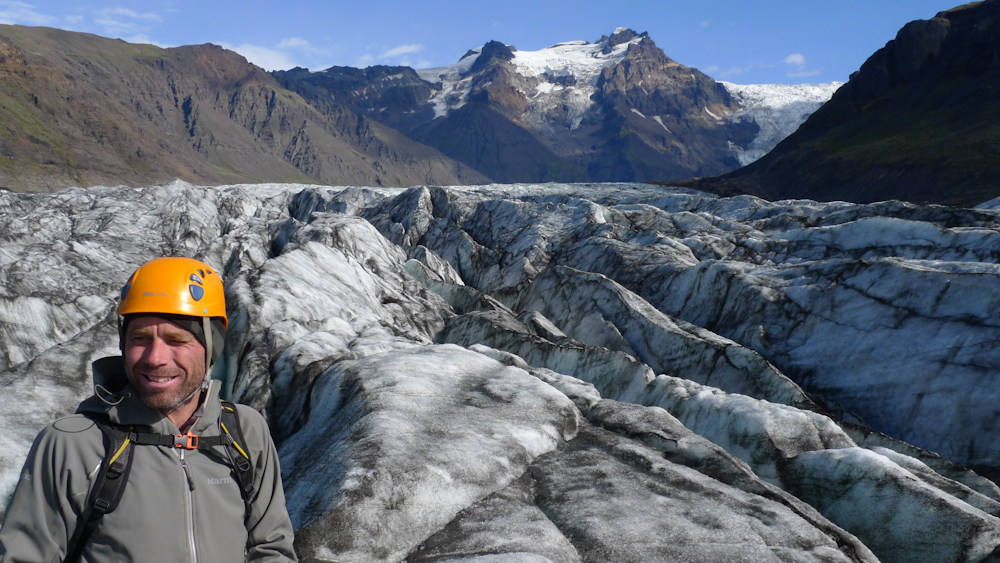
[[132, 14], [402, 50], [120, 22], [268, 58], [22, 13], [797, 66], [739, 70], [399, 55], [295, 43]]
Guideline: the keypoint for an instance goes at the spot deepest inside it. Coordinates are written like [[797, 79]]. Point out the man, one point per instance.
[[181, 502]]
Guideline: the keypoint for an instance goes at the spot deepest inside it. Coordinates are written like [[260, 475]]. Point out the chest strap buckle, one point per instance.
[[187, 441]]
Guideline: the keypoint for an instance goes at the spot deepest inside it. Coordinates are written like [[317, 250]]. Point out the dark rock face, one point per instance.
[[619, 37], [387, 94], [917, 122], [689, 138], [492, 51]]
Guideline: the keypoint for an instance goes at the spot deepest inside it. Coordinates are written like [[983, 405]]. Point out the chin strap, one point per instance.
[[206, 325]]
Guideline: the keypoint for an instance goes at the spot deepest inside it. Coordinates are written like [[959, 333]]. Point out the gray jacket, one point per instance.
[[179, 505]]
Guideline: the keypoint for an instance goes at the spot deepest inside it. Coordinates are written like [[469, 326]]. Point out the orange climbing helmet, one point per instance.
[[183, 290], [177, 286]]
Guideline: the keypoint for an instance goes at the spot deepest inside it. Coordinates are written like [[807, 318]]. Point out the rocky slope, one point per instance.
[[918, 122], [558, 372], [77, 109]]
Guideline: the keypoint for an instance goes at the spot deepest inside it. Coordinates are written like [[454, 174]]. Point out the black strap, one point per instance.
[[108, 488], [119, 445], [183, 441], [236, 447]]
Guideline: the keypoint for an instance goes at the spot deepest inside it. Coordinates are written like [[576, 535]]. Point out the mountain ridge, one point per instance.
[[79, 109], [82, 109]]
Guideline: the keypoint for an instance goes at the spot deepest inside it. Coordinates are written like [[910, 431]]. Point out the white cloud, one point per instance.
[[121, 22], [294, 43], [402, 50], [23, 14], [132, 14], [797, 64], [264, 57], [706, 23], [796, 60]]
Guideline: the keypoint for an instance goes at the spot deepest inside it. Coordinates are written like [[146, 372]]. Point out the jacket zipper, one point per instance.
[[189, 503]]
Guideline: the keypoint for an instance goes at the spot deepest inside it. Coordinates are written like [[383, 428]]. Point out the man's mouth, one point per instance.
[[157, 381]]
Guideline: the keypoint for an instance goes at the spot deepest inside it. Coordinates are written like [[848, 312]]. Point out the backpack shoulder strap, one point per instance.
[[108, 487], [230, 438], [229, 423]]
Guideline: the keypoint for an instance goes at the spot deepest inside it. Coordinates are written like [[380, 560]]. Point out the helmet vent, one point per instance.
[[125, 290], [196, 292]]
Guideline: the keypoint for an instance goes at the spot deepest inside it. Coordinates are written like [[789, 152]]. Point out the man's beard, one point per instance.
[[167, 400]]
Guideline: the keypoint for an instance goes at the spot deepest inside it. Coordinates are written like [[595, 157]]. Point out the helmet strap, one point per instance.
[[207, 330]]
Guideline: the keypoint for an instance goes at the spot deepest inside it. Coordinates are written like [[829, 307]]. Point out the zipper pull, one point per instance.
[[187, 471]]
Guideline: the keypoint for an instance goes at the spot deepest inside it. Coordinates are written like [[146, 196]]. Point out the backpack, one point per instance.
[[119, 444]]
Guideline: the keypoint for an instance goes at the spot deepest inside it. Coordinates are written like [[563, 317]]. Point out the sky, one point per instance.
[[745, 42]]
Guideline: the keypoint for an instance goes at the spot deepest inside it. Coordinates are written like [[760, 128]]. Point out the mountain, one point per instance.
[[78, 109], [918, 122], [558, 372], [617, 109]]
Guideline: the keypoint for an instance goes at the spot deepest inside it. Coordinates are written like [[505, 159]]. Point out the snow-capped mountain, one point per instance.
[[610, 110], [558, 372], [564, 79], [561, 80]]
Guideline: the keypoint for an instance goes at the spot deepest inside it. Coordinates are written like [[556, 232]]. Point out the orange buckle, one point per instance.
[[187, 441]]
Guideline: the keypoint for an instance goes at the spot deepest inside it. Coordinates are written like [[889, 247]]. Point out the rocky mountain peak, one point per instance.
[[620, 36], [492, 51]]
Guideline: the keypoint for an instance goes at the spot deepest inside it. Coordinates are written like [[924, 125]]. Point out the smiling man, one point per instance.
[[154, 467]]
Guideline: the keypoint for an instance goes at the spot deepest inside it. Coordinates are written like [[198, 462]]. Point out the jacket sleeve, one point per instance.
[[50, 493], [269, 529]]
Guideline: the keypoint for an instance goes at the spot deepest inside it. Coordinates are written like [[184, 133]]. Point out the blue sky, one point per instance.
[[746, 42]]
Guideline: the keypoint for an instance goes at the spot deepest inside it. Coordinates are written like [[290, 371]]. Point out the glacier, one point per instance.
[[562, 80], [558, 372], [778, 109]]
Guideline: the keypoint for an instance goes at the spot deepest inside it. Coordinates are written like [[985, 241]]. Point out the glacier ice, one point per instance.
[[558, 372]]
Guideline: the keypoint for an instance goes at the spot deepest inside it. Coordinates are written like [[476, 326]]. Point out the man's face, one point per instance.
[[164, 362]]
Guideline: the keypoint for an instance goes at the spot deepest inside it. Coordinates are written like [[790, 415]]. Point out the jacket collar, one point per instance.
[[115, 398]]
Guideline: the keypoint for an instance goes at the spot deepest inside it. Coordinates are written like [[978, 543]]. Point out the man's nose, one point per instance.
[[157, 352]]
